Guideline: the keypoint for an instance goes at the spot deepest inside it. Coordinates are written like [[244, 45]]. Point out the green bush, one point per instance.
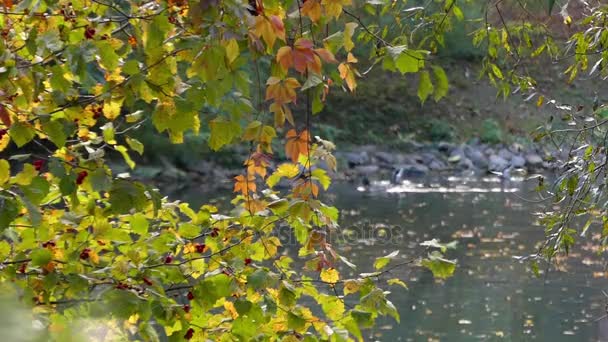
[[491, 132], [439, 130]]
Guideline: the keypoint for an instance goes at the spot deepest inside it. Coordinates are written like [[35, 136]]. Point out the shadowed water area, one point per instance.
[[492, 296]]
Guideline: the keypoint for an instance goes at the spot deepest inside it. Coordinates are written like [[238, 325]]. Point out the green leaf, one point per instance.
[[441, 268], [222, 133], [8, 211], [55, 131], [321, 176], [139, 224], [381, 262], [135, 145], [496, 71], [41, 257], [5, 250], [99, 180], [37, 190], [189, 230], [441, 83], [295, 322], [126, 195], [425, 87], [5, 171], [21, 133]]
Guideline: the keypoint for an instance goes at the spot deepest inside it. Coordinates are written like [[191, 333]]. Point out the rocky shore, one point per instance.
[[367, 163], [466, 159]]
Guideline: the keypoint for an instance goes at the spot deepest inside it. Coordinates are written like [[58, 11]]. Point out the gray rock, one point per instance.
[[476, 156], [465, 164], [356, 158], [534, 160], [505, 154], [518, 161], [408, 171], [437, 165], [445, 147], [385, 157], [497, 163]]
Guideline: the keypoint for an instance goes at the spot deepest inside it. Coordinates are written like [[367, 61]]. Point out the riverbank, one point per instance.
[[367, 163]]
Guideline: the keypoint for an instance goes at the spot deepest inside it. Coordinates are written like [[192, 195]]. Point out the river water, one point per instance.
[[492, 296]]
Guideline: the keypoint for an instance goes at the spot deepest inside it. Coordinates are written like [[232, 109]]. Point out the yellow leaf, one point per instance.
[[5, 171], [351, 286], [540, 101], [4, 141], [111, 108], [232, 50], [330, 275], [229, 306], [333, 8], [396, 281]]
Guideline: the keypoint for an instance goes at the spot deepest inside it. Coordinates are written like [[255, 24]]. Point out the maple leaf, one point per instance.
[[347, 72], [243, 185], [333, 8], [312, 9], [281, 112], [304, 57], [305, 188], [257, 164], [281, 91], [269, 29], [296, 144]]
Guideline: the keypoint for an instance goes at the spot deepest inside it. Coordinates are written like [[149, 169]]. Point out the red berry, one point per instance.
[[84, 255], [168, 259], [200, 247], [190, 296], [50, 243], [38, 164], [22, 267], [215, 232], [89, 33], [186, 308], [3, 132], [189, 334], [148, 281], [247, 261], [81, 176]]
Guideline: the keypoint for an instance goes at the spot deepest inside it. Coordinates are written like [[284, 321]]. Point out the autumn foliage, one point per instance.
[[80, 240]]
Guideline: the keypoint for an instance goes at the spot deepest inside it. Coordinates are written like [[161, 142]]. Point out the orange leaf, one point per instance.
[[5, 118], [304, 56], [312, 9], [281, 91], [296, 144], [347, 74], [326, 56], [284, 57], [243, 185], [8, 4], [257, 164]]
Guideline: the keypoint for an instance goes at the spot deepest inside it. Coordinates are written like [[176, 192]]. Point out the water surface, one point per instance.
[[491, 297]]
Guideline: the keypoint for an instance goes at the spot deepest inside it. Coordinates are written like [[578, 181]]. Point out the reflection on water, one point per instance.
[[492, 297]]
